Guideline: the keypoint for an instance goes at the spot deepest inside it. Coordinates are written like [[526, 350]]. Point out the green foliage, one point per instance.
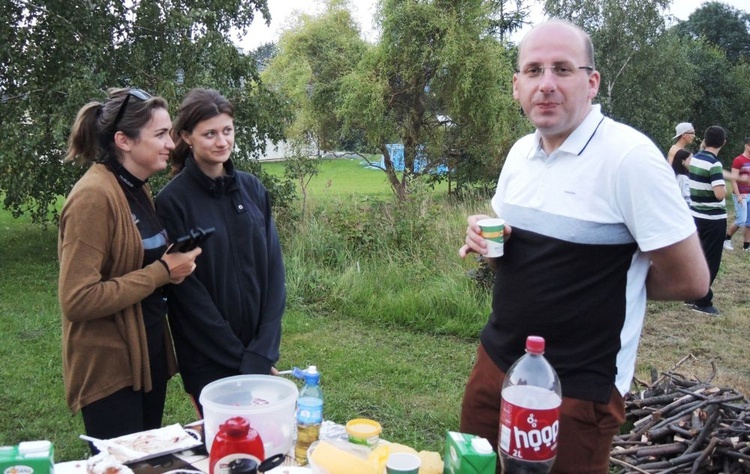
[[438, 83], [721, 25], [483, 275], [662, 73], [719, 36], [389, 262], [653, 78], [624, 34], [57, 56], [313, 56], [505, 21], [301, 168]]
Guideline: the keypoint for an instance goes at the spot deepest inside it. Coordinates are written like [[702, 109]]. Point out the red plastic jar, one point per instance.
[[235, 440]]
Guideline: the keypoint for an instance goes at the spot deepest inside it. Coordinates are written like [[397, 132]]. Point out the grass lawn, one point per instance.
[[344, 177]]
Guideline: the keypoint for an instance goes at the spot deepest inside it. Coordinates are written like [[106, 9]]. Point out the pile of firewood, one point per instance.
[[684, 426]]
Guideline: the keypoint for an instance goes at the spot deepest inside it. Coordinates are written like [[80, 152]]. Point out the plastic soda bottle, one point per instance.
[[530, 413], [309, 413], [235, 441]]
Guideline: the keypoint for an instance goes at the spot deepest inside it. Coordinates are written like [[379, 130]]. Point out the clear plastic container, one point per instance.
[[266, 401]]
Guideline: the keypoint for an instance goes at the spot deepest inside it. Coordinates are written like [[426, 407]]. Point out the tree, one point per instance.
[[59, 55], [301, 168], [438, 83], [647, 78], [314, 55], [719, 38], [263, 55], [721, 92], [721, 25], [504, 21]]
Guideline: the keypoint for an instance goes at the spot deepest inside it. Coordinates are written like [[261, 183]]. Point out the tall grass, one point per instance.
[[388, 263]]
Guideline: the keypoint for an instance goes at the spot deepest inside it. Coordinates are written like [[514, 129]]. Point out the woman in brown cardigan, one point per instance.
[[117, 352]]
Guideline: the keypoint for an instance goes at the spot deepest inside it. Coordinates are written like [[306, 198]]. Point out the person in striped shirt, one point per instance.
[[707, 193]]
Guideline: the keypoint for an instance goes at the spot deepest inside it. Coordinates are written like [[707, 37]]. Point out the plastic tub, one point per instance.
[[268, 402], [364, 431]]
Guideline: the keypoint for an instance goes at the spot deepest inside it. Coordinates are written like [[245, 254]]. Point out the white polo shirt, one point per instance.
[[574, 269]]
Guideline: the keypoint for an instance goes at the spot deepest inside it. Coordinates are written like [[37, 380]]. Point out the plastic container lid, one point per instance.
[[363, 428], [535, 344]]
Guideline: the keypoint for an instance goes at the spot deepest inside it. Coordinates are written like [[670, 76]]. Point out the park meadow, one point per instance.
[[378, 299]]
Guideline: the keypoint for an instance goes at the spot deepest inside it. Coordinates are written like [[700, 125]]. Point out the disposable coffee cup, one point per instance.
[[403, 463], [492, 231]]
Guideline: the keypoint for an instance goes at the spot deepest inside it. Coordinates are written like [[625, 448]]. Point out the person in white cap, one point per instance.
[[684, 134]]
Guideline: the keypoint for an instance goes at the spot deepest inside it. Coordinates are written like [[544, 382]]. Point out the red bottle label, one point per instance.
[[529, 423]]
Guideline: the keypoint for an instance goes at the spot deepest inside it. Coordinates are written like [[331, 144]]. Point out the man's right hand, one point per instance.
[[474, 241]]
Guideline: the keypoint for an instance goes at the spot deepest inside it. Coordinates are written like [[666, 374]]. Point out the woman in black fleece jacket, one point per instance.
[[226, 317]]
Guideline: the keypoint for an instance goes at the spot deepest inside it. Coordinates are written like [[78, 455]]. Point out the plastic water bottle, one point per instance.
[[530, 413], [309, 413]]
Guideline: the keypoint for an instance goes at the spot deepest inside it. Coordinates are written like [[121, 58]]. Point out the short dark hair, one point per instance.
[[747, 140], [715, 136]]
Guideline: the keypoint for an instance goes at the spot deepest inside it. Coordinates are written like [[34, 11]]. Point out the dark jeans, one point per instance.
[[128, 411], [711, 234]]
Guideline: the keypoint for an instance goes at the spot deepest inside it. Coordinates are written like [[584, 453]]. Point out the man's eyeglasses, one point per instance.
[[138, 94], [558, 70]]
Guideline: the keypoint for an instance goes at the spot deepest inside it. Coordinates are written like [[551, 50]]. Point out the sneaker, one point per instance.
[[728, 245], [711, 310]]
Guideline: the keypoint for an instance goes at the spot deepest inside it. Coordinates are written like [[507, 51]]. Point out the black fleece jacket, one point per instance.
[[225, 317]]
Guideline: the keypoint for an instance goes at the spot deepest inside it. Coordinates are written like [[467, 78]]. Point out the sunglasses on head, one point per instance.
[[138, 94]]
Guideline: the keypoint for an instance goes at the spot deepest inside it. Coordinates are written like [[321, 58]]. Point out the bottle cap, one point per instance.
[[481, 445], [535, 345], [312, 376], [29, 447], [236, 426]]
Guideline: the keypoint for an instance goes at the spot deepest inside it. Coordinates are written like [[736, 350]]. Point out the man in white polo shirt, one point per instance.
[[598, 225]]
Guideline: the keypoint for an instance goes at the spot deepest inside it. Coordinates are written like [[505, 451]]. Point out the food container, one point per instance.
[[339, 456], [36, 457], [266, 401], [363, 431]]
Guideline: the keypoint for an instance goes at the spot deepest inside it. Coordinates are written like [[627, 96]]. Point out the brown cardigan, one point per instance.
[[100, 288]]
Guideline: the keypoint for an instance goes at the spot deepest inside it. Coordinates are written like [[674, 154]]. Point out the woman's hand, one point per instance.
[[180, 264]]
